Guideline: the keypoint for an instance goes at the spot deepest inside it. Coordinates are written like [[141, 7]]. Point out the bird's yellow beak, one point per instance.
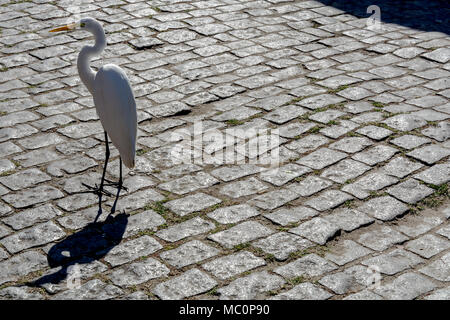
[[65, 28]]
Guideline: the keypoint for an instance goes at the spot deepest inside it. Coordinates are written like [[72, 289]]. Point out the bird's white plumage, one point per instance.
[[116, 108]]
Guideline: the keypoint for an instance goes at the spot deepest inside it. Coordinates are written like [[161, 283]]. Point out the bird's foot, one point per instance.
[[118, 185], [97, 190]]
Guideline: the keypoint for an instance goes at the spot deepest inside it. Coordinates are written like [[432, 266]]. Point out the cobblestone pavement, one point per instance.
[[360, 196]]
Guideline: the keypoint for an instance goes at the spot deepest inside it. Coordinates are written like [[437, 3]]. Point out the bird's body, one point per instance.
[[113, 98], [116, 108]]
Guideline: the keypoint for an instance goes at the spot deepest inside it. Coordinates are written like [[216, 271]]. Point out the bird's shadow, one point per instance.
[[89, 244]]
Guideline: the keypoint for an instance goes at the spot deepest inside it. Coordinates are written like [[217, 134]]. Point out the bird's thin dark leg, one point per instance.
[[107, 153], [119, 186]]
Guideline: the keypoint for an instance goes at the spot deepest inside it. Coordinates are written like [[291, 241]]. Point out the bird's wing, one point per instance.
[[116, 108]]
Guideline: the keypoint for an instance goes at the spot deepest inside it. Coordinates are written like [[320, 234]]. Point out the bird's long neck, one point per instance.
[[87, 75]]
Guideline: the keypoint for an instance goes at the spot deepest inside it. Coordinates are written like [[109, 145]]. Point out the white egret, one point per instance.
[[113, 98]]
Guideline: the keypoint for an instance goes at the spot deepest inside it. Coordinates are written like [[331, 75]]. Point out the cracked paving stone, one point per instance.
[[375, 155], [241, 233], [282, 175], [189, 204], [303, 291], [428, 245], [408, 141], [310, 266], [437, 174], [27, 218], [346, 251], [328, 200], [345, 170], [185, 229], [439, 269], [190, 283], [405, 122], [381, 238], [339, 283], [363, 187], [384, 208], [233, 214], [349, 219], [394, 261], [234, 264], [24, 179], [189, 183], [131, 250], [25, 198], [410, 191], [282, 244], [21, 265], [243, 188], [138, 272], [374, 132], [429, 154], [406, 287], [400, 167], [36, 236], [92, 290], [317, 230], [189, 253], [286, 216], [321, 158], [252, 286]]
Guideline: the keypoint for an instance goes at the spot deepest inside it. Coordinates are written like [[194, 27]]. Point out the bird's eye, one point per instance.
[[82, 24]]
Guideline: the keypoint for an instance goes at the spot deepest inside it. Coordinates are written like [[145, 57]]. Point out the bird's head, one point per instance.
[[88, 24]]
